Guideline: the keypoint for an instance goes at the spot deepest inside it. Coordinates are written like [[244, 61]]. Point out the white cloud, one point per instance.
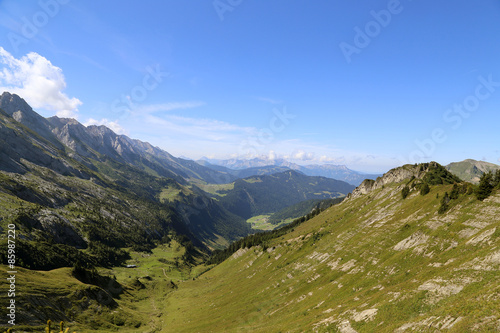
[[301, 155], [325, 159], [272, 155], [113, 125], [40, 83]]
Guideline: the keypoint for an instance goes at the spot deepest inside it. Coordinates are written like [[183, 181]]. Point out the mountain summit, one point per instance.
[[471, 170]]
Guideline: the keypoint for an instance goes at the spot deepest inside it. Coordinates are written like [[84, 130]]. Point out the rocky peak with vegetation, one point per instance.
[[378, 262], [130, 249], [432, 173]]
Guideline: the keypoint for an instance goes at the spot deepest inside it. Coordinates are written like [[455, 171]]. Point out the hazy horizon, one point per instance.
[[371, 85]]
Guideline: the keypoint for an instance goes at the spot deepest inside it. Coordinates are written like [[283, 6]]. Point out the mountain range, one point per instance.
[[61, 167], [379, 261], [113, 234], [267, 194], [262, 166]]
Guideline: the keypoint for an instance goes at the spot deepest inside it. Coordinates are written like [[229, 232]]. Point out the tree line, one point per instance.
[[261, 238]]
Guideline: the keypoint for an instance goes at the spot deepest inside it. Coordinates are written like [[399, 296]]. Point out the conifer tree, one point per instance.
[[485, 186], [425, 189], [444, 203], [454, 192], [496, 179], [405, 192]]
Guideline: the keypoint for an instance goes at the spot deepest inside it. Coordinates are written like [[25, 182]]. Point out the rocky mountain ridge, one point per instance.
[[397, 175], [377, 262], [101, 143], [83, 174]]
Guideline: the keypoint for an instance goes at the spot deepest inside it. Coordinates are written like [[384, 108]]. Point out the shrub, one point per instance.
[[424, 189], [454, 192], [444, 203], [405, 192]]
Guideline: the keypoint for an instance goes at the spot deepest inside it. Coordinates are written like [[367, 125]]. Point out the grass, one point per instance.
[[260, 222], [343, 262], [378, 254], [139, 307], [216, 189]]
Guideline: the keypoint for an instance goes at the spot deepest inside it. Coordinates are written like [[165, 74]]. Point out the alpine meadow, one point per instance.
[[249, 166]]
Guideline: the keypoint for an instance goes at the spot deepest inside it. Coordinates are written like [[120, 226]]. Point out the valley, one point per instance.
[[138, 240], [236, 166], [116, 218], [374, 262]]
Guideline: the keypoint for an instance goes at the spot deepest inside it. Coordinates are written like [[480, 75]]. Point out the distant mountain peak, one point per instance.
[[471, 170]]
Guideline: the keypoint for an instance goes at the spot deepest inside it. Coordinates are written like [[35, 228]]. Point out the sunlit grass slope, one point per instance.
[[376, 263]]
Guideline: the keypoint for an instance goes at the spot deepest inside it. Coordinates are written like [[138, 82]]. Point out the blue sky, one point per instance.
[[369, 84]]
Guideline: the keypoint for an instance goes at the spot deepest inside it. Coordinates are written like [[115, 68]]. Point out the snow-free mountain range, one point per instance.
[[114, 234], [244, 168]]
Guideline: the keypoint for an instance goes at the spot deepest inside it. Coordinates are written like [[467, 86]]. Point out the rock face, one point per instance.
[[19, 148], [62, 231], [393, 176], [56, 134], [17, 108]]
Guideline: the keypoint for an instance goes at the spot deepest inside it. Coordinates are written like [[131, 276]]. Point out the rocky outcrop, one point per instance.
[[17, 108], [60, 228], [393, 176]]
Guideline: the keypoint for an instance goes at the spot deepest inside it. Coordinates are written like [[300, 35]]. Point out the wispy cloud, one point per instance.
[[206, 129], [40, 83], [166, 107], [197, 137]]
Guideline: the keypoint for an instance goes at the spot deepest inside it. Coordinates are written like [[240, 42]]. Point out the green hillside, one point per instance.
[[301, 209], [120, 299], [374, 263], [471, 170], [268, 194], [71, 203]]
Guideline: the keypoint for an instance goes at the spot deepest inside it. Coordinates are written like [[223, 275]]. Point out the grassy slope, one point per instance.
[[471, 170], [375, 263], [268, 194], [138, 307], [261, 222]]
